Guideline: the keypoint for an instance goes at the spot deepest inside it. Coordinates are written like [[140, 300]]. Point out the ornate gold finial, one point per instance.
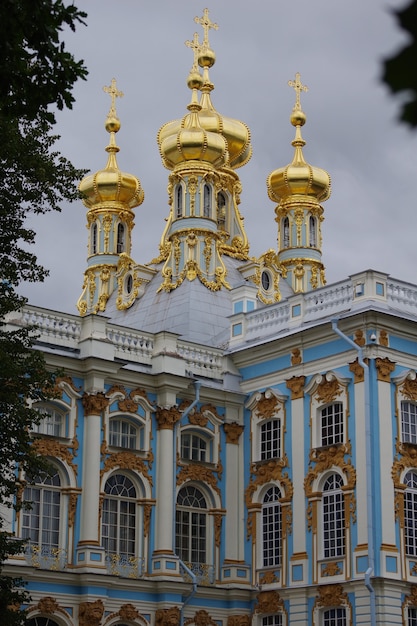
[[298, 88], [206, 23], [195, 47], [113, 93]]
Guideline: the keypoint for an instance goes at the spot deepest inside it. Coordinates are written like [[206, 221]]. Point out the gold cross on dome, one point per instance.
[[195, 47], [206, 23], [298, 87], [113, 93]]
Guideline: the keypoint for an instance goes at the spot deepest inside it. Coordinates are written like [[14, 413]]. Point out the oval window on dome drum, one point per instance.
[[266, 280]]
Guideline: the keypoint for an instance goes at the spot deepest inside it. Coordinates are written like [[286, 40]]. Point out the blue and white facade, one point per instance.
[[234, 442]]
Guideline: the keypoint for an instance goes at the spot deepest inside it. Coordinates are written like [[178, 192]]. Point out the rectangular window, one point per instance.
[[272, 532], [271, 440], [332, 424], [333, 525], [410, 522], [408, 422]]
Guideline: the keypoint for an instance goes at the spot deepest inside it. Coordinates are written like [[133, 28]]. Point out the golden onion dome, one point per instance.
[[185, 140], [236, 133], [298, 177], [111, 185]]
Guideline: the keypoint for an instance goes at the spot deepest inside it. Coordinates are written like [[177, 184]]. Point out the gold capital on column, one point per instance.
[[233, 432], [94, 403], [296, 385], [167, 418]]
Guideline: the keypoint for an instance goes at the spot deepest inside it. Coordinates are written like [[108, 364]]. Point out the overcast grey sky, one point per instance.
[[351, 130]]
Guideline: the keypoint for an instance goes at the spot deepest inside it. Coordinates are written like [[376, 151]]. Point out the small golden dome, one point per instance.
[[298, 177], [111, 185]]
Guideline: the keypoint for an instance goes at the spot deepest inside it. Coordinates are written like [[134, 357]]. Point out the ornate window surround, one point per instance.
[[325, 390], [133, 407], [266, 406]]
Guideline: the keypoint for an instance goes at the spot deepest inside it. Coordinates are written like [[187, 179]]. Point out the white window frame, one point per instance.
[[271, 523], [408, 421], [195, 515], [197, 452], [121, 512], [331, 431], [136, 433]]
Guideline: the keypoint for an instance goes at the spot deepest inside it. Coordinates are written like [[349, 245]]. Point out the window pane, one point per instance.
[[40, 523], [271, 439], [272, 528], [409, 422], [410, 513], [118, 528], [332, 424], [333, 517], [334, 617], [123, 434], [191, 526]]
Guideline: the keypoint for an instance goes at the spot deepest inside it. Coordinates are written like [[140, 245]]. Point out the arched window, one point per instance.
[[121, 244], [53, 423], [412, 616], [194, 447], [40, 524], [270, 439], [331, 424], [41, 621], [334, 617], [313, 232], [118, 529], [124, 434], [272, 528], [191, 525], [178, 201], [408, 422], [207, 201], [94, 238], [410, 513], [333, 517], [286, 232]]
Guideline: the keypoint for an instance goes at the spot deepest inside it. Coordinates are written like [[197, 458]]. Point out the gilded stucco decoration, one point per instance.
[[239, 620], [167, 417], [268, 578], [94, 404], [127, 612], [409, 387], [262, 473], [296, 357], [267, 405], [167, 617], [269, 602], [324, 459], [383, 338], [405, 459], [268, 261], [359, 338], [199, 473], [233, 432], [330, 569], [201, 618], [128, 402], [410, 600], [49, 606], [384, 368], [357, 371], [296, 386], [126, 460], [328, 389], [331, 596], [91, 613], [55, 449], [125, 300]]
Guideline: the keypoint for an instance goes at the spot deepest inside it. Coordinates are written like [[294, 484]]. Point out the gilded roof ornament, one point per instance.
[[195, 47], [206, 23], [298, 88], [113, 93]]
